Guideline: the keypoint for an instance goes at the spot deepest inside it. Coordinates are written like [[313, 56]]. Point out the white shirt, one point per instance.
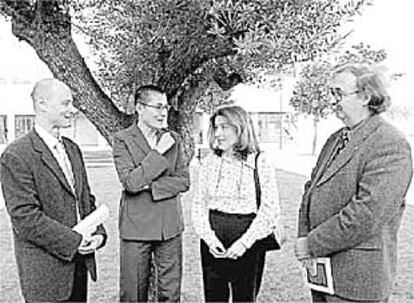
[[50, 140]]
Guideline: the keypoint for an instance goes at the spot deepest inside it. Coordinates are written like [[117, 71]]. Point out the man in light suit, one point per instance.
[[153, 173], [46, 194], [352, 206]]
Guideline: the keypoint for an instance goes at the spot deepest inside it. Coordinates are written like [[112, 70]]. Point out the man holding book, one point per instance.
[[352, 207], [46, 191]]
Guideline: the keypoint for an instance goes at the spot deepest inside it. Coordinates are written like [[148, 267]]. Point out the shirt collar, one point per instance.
[[50, 140], [148, 132]]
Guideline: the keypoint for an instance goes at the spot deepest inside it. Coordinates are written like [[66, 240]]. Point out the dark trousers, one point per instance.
[[80, 284], [136, 258], [318, 297], [222, 276]]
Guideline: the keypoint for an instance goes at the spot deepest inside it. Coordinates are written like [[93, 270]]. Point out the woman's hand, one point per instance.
[[236, 250], [217, 249]]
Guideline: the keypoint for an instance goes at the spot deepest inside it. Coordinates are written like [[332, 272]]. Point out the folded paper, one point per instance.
[[87, 226]]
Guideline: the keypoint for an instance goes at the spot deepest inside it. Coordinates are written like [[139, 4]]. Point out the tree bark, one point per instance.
[[47, 30]]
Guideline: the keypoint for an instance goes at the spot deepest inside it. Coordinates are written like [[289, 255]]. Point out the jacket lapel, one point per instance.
[[340, 160], [326, 161], [136, 137], [49, 160], [357, 138]]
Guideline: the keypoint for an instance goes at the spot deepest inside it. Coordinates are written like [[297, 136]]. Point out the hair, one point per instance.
[[241, 121], [142, 93], [369, 85]]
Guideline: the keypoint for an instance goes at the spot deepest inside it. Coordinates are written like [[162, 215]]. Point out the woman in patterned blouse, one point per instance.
[[224, 211]]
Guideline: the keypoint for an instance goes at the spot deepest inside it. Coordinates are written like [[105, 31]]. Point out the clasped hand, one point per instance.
[[235, 251], [90, 245]]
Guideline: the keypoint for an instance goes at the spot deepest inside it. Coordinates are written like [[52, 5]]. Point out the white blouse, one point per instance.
[[227, 185]]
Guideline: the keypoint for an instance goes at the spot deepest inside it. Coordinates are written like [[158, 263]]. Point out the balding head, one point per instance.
[[53, 104], [48, 89]]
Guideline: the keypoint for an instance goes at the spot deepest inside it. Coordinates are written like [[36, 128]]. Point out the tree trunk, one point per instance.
[[182, 121], [62, 57]]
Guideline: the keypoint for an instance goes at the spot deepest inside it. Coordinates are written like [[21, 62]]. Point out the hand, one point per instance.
[[165, 143], [217, 249], [236, 250], [90, 245], [310, 265], [301, 249]]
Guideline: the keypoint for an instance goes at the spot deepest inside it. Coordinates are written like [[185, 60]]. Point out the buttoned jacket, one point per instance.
[[150, 207]]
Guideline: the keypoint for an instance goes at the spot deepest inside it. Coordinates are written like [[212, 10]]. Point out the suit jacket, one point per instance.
[[150, 206], [42, 210], [351, 209]]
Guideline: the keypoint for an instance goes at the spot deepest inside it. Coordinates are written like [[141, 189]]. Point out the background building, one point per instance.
[[17, 116]]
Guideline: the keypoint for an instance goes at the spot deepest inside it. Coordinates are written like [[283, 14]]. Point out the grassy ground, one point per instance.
[[282, 278]]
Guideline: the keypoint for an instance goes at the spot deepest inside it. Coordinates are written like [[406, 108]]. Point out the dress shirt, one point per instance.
[[227, 185]]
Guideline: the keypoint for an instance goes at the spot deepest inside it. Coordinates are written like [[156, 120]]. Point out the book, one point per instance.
[[87, 226], [317, 274]]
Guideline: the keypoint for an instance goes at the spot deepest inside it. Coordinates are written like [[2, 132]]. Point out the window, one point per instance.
[[23, 124], [269, 127], [3, 129]]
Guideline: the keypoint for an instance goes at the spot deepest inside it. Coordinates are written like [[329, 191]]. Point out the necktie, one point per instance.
[[343, 140], [65, 164], [66, 167], [158, 135]]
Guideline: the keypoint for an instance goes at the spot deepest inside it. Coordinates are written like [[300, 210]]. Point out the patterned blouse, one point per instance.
[[227, 185]]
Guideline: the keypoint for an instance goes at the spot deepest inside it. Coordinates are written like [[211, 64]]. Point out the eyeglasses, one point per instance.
[[338, 94], [158, 107]]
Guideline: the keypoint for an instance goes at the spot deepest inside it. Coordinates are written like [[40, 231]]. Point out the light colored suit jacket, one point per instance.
[[42, 210], [150, 206], [352, 209]]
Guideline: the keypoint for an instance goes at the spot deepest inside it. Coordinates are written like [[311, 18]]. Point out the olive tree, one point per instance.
[[183, 46]]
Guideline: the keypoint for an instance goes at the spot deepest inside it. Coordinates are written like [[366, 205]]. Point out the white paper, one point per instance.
[[87, 226]]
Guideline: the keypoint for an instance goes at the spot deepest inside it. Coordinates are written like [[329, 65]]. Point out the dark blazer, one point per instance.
[[42, 212], [351, 210], [154, 213]]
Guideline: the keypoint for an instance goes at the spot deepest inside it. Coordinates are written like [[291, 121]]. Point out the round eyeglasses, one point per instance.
[[338, 93]]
